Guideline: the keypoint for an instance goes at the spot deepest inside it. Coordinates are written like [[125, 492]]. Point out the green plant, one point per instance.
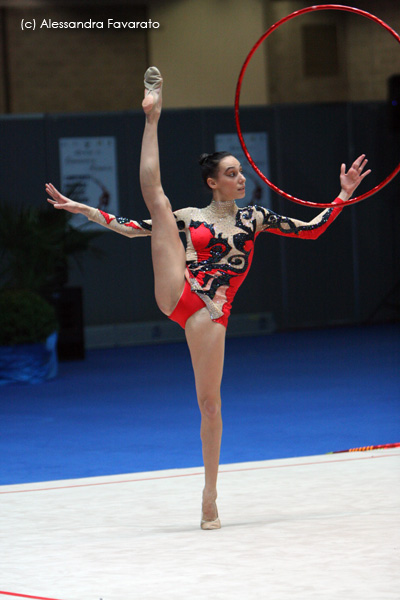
[[25, 317], [35, 243]]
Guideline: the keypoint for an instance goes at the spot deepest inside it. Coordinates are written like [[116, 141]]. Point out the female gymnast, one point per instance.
[[195, 287]]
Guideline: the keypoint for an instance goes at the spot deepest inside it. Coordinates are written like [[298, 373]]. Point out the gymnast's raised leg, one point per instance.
[[205, 338]]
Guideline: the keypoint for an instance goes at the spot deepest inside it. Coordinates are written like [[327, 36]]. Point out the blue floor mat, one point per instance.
[[134, 409]]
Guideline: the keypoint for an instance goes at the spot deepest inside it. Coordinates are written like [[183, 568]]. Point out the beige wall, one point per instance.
[[201, 46], [368, 54], [57, 70], [373, 54], [284, 47]]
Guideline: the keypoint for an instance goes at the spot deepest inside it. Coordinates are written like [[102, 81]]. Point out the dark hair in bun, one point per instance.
[[209, 164]]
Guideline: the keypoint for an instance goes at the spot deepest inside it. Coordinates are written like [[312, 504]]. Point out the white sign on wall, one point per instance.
[[257, 192], [88, 169]]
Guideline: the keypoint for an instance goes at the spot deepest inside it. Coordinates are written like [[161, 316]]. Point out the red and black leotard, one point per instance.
[[220, 245]]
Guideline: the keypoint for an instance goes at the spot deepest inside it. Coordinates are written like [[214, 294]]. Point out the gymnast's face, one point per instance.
[[229, 183]]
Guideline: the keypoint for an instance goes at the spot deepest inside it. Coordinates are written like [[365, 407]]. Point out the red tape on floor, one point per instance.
[[25, 596], [221, 472]]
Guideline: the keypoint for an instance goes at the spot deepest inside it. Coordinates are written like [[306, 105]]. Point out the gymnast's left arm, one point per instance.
[[126, 227], [349, 181]]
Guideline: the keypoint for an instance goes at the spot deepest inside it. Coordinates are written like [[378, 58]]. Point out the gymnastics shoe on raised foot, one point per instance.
[[152, 83], [152, 79], [207, 525]]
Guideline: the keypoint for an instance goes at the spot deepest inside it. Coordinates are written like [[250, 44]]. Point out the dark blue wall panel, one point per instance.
[[340, 278]]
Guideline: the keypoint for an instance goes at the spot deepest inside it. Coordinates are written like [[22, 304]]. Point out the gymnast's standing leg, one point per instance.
[[206, 339]]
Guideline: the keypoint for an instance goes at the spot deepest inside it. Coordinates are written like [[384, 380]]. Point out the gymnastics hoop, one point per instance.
[[297, 13]]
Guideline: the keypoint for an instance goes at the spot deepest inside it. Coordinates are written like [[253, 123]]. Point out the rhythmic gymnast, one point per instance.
[[196, 287]]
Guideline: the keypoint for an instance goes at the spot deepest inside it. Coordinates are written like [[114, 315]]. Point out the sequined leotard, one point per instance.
[[220, 244]]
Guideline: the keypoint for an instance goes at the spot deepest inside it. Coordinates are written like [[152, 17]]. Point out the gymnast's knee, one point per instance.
[[159, 205], [210, 407]]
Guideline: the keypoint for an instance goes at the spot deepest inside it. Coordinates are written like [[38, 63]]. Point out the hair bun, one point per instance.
[[203, 158], [209, 164]]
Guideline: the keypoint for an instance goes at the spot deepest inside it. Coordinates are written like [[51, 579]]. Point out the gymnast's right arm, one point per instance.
[[120, 225]]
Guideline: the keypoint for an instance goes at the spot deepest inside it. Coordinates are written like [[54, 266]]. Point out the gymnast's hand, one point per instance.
[[60, 201], [354, 176]]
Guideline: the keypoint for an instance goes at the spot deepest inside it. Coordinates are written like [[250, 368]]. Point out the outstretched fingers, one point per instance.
[[356, 171], [51, 191], [359, 165], [55, 195], [352, 178], [59, 201]]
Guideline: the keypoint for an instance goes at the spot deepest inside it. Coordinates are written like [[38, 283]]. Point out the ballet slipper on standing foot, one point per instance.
[[153, 84], [209, 517]]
